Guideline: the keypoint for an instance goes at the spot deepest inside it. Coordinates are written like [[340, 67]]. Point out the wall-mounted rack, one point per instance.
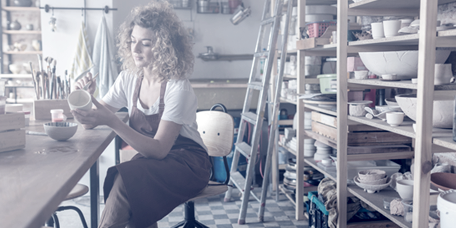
[[47, 8]]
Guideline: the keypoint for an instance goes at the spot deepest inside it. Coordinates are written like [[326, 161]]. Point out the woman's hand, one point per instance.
[[99, 116], [84, 81]]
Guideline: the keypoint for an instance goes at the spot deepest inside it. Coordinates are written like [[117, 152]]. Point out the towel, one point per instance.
[[104, 59], [82, 61]]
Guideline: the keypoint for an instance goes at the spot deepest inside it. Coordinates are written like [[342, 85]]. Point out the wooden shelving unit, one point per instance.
[[9, 57], [425, 138]]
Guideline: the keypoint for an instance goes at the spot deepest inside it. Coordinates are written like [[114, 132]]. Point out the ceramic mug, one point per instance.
[[80, 99], [377, 30], [394, 118], [391, 28], [442, 74]]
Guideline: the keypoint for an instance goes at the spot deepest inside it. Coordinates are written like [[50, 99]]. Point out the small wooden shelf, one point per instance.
[[18, 8], [21, 86], [22, 52], [445, 141], [22, 32]]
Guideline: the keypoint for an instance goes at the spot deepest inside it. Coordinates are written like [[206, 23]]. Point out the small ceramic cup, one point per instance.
[[442, 74], [377, 30], [361, 74], [391, 28], [57, 115], [394, 118], [80, 99], [389, 76]]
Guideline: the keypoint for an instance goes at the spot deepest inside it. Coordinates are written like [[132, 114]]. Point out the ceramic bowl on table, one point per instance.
[[402, 63], [444, 181], [60, 131], [443, 108]]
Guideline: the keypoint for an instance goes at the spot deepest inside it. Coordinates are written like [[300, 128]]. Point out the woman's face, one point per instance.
[[141, 46]]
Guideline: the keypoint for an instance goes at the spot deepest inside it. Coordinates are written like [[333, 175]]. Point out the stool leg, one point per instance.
[[81, 216]]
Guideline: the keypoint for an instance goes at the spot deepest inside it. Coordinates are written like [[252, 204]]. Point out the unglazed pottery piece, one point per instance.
[[443, 107], [402, 63]]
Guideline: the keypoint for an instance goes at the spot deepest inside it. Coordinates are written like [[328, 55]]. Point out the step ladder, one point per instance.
[[258, 84]]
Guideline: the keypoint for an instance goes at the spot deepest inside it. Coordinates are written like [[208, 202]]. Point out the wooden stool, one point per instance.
[[77, 191]]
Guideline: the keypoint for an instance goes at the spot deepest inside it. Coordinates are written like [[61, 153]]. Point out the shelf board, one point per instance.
[[409, 39], [313, 163], [286, 122], [22, 52], [287, 148], [445, 141], [390, 4], [22, 32], [375, 200], [312, 80], [18, 8], [321, 2], [289, 77], [11, 86], [370, 83], [16, 76], [19, 100], [404, 129], [285, 100], [320, 109]]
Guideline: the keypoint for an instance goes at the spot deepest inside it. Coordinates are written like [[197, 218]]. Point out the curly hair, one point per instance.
[[171, 46]]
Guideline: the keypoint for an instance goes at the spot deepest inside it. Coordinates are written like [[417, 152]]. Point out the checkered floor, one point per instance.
[[213, 212]]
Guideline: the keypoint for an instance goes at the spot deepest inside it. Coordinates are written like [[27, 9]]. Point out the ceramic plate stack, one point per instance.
[[308, 120], [323, 151], [372, 180], [309, 148], [312, 89]]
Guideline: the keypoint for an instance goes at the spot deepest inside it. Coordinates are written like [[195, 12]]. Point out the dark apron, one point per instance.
[[156, 187]]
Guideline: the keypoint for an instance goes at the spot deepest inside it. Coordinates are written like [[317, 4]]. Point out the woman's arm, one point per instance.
[[157, 147]]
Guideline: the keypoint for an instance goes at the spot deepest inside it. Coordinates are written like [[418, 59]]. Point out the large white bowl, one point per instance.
[[402, 63], [60, 131], [442, 112]]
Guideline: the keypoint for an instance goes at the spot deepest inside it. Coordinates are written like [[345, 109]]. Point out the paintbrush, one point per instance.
[[90, 82]]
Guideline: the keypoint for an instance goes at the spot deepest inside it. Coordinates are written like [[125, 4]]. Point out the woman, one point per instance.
[[172, 164]]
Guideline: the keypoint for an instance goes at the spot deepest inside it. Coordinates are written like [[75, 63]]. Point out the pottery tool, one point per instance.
[[33, 79], [40, 63], [82, 74], [58, 89], [90, 82]]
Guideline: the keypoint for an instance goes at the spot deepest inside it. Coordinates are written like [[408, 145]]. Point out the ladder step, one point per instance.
[[262, 53], [268, 21], [249, 117], [255, 85], [244, 148], [238, 180]]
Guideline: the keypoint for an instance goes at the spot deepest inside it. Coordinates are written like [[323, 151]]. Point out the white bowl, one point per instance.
[[371, 188], [443, 108], [15, 68], [371, 174], [374, 182], [402, 63], [60, 131]]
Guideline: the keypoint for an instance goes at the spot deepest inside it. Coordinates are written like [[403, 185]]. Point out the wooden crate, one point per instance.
[[11, 135], [42, 108], [359, 135]]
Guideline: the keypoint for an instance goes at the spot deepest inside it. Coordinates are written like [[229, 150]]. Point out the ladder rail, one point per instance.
[[275, 115]]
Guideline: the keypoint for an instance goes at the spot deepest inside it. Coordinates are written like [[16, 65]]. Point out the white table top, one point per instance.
[[36, 179]]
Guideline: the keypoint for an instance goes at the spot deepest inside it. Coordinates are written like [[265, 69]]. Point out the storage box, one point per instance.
[[358, 134], [11, 135], [42, 108], [328, 83]]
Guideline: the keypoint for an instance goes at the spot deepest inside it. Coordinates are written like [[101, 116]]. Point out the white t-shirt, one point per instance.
[[180, 103]]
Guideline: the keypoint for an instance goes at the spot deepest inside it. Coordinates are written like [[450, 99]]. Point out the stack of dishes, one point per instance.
[[372, 180], [323, 151], [307, 120], [309, 148]]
